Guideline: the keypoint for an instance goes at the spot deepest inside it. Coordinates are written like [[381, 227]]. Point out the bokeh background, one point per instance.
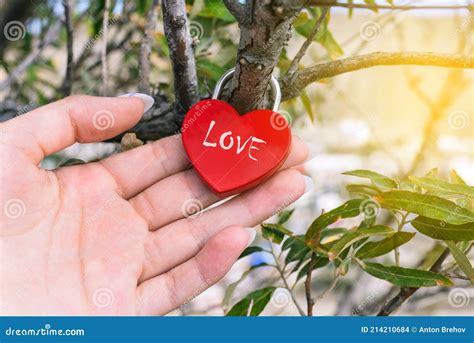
[[398, 120]]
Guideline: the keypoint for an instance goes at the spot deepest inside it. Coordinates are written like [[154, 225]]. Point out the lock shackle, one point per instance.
[[228, 74]]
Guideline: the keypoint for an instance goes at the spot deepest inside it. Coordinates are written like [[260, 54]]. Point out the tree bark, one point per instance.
[[265, 28], [180, 43]]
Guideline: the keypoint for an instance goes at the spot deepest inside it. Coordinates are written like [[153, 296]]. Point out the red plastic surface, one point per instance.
[[233, 153]]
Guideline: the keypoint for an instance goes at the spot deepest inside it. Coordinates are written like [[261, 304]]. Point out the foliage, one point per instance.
[[430, 207]]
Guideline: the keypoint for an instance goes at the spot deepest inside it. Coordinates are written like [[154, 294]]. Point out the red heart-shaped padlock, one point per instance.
[[233, 153]]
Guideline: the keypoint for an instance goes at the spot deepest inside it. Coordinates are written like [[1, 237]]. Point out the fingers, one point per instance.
[[187, 192], [79, 118], [137, 169], [180, 285], [181, 240], [299, 152]]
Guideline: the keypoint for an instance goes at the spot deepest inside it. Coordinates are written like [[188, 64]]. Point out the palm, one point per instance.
[[112, 237]]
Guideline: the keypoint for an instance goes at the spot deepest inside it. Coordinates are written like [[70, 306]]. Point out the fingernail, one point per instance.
[[251, 233], [308, 184], [148, 101]]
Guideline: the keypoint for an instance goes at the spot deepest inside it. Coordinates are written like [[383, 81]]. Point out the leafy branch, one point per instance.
[[442, 210], [293, 87]]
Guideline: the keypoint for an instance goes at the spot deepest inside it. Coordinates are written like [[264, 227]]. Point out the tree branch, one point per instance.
[[36, 51], [67, 84], [406, 292], [285, 281], [263, 33], [241, 12], [145, 49], [292, 88], [307, 286], [180, 43], [388, 7], [300, 54], [105, 31]]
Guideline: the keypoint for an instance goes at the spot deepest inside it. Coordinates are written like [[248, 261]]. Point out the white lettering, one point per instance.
[[206, 143], [255, 140], [230, 142]]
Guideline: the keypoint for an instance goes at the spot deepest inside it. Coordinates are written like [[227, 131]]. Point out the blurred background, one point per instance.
[[397, 120]]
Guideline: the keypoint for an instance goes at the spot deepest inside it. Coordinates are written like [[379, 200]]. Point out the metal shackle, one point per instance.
[[228, 74]]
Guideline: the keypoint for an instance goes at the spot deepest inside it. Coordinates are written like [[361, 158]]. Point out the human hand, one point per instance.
[[113, 237]]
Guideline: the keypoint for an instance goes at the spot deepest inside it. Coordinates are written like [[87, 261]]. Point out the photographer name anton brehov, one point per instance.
[[442, 329]]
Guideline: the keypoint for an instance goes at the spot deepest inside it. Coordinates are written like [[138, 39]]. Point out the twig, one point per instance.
[[387, 7], [300, 54], [285, 282], [399, 228], [307, 285], [292, 88], [406, 292], [36, 51], [180, 43], [145, 49], [105, 31], [68, 79]]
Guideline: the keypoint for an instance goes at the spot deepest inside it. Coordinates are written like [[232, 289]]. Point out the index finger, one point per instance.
[[78, 118]]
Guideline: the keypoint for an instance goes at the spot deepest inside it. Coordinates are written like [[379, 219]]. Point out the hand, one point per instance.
[[113, 237]]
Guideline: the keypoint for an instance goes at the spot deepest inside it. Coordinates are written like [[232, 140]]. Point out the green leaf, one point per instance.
[[362, 190], [327, 40], [382, 247], [343, 267], [406, 277], [250, 250], [425, 205], [433, 173], [379, 180], [351, 9], [444, 231], [297, 249], [462, 260], [284, 216], [455, 178], [349, 209], [333, 231], [253, 304], [308, 105], [304, 25], [319, 262], [409, 186], [207, 69], [354, 236], [274, 232], [432, 256], [232, 287], [443, 186], [372, 4], [465, 202], [216, 9]]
